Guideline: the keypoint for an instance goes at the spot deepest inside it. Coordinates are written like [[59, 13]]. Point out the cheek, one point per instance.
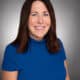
[[32, 21], [47, 22]]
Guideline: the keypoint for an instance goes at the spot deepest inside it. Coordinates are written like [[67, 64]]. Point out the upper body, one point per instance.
[[37, 63], [36, 53]]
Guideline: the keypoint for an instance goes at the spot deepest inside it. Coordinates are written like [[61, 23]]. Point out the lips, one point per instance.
[[39, 27]]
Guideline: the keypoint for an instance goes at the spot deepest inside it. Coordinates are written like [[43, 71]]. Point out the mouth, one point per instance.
[[39, 27]]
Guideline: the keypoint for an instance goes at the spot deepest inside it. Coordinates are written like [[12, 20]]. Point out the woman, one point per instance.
[[36, 53]]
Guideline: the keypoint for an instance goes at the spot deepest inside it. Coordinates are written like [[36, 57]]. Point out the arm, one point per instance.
[[66, 66], [7, 75]]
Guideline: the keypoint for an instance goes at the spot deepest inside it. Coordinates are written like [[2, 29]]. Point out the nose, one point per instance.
[[40, 19]]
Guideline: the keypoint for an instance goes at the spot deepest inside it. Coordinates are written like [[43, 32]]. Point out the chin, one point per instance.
[[39, 36]]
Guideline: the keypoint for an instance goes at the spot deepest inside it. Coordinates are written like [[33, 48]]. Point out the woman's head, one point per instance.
[[37, 19]]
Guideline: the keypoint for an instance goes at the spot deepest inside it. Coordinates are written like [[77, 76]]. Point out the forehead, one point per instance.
[[38, 6]]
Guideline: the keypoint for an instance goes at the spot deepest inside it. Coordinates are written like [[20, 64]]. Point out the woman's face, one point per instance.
[[39, 20]]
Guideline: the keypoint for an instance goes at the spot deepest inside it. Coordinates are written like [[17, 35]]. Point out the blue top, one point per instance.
[[37, 63]]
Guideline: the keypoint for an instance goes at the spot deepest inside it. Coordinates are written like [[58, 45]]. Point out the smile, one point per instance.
[[39, 27]]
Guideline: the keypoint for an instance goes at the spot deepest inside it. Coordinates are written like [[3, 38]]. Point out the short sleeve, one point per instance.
[[9, 59], [62, 50]]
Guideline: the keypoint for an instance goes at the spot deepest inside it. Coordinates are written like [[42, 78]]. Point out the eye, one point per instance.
[[33, 14], [46, 14]]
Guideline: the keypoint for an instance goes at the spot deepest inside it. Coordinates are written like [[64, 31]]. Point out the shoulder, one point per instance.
[[62, 49], [10, 47], [10, 50], [61, 45], [60, 42]]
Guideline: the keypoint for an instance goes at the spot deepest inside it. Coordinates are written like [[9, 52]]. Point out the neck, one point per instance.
[[36, 38]]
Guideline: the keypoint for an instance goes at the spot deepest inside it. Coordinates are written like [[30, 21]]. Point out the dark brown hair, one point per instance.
[[22, 39]]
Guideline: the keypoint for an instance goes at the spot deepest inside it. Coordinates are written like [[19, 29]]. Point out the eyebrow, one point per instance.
[[37, 12]]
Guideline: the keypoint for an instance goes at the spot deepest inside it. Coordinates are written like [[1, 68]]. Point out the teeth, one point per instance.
[[39, 27]]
